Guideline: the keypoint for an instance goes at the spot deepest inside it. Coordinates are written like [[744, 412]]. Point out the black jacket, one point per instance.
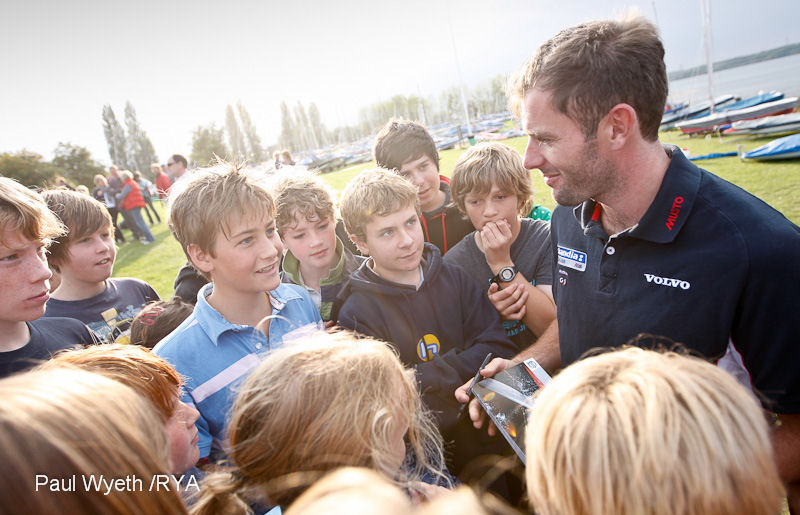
[[444, 329]]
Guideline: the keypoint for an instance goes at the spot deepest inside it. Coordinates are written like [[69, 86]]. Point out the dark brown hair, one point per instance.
[[401, 141], [590, 68]]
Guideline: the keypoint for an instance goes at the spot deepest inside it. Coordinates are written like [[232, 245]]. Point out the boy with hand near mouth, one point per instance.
[[84, 258], [26, 227], [508, 253], [224, 220], [315, 257], [407, 148], [436, 316]]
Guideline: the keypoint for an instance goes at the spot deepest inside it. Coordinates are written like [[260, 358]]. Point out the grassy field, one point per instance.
[[777, 183]]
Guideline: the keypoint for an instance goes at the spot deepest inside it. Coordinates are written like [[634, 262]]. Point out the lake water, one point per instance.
[[781, 74]]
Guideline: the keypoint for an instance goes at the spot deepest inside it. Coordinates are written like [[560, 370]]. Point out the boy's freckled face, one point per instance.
[[491, 207], [313, 242], [424, 174], [248, 260], [90, 258], [395, 243], [24, 278]]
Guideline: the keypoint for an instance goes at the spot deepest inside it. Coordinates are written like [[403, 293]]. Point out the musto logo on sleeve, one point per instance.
[[571, 258], [428, 347]]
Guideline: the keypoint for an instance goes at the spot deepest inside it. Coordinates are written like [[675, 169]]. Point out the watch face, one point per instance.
[[506, 274]]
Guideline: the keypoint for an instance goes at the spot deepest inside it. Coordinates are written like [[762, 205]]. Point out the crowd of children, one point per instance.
[[317, 343]]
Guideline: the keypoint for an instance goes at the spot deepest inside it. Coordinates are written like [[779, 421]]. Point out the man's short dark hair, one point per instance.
[[590, 68], [181, 159], [401, 141]]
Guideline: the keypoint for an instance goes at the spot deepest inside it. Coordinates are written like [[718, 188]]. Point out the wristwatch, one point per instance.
[[506, 274]]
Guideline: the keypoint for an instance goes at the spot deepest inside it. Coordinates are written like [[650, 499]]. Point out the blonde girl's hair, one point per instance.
[[309, 408], [351, 490], [485, 164], [637, 431], [371, 193], [66, 423], [22, 210]]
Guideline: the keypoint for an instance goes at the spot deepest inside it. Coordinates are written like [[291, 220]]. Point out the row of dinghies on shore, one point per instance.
[[765, 114]]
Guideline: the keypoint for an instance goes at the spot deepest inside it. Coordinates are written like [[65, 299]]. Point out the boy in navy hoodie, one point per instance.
[[407, 148], [438, 318]]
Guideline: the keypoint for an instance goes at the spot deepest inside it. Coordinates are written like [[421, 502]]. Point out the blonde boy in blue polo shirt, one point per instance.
[[225, 221]]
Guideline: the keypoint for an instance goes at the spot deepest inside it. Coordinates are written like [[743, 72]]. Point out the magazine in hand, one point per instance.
[[508, 399]]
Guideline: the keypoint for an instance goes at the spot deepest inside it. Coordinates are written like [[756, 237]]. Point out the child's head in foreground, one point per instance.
[[407, 148], [157, 319], [58, 423], [490, 183], [306, 218], [636, 431], [152, 378], [381, 212], [311, 407], [224, 220], [26, 228], [88, 250]]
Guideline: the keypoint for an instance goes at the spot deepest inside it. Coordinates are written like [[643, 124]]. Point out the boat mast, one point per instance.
[[458, 70], [706, 8]]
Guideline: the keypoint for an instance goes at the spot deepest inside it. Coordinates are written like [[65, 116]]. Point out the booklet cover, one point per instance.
[[508, 399]]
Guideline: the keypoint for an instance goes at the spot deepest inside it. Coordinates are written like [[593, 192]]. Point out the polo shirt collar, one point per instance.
[[669, 210], [214, 324]]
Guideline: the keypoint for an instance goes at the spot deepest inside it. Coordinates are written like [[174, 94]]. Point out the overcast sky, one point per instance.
[[181, 62]]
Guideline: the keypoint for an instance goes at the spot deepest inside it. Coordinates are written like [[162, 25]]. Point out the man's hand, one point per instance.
[[510, 301], [476, 413]]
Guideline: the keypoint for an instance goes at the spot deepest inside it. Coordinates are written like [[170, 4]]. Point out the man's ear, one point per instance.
[[361, 245], [199, 258], [619, 125]]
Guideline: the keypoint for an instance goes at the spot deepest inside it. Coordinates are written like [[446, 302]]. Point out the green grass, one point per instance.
[[777, 183]]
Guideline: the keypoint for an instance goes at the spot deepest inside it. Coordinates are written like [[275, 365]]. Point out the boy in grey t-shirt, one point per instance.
[[510, 254]]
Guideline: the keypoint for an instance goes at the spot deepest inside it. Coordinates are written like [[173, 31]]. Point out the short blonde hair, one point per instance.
[[336, 408], [490, 163], [24, 211], [212, 199], [351, 490], [301, 193], [67, 422], [126, 175], [132, 365], [372, 193], [637, 431], [82, 215]]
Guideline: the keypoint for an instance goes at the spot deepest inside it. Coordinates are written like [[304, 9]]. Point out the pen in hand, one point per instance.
[[486, 361]]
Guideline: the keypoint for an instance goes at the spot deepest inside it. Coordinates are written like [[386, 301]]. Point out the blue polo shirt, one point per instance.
[[708, 265], [214, 356]]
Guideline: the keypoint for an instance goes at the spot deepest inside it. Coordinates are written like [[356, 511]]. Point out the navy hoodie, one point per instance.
[[444, 329]]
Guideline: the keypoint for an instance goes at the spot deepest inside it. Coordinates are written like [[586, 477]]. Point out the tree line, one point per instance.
[[129, 147]]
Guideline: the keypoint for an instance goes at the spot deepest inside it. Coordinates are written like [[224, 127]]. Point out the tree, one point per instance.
[[28, 168], [77, 163], [305, 137], [256, 153], [235, 138], [208, 142], [288, 137], [320, 133], [115, 138], [141, 153]]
